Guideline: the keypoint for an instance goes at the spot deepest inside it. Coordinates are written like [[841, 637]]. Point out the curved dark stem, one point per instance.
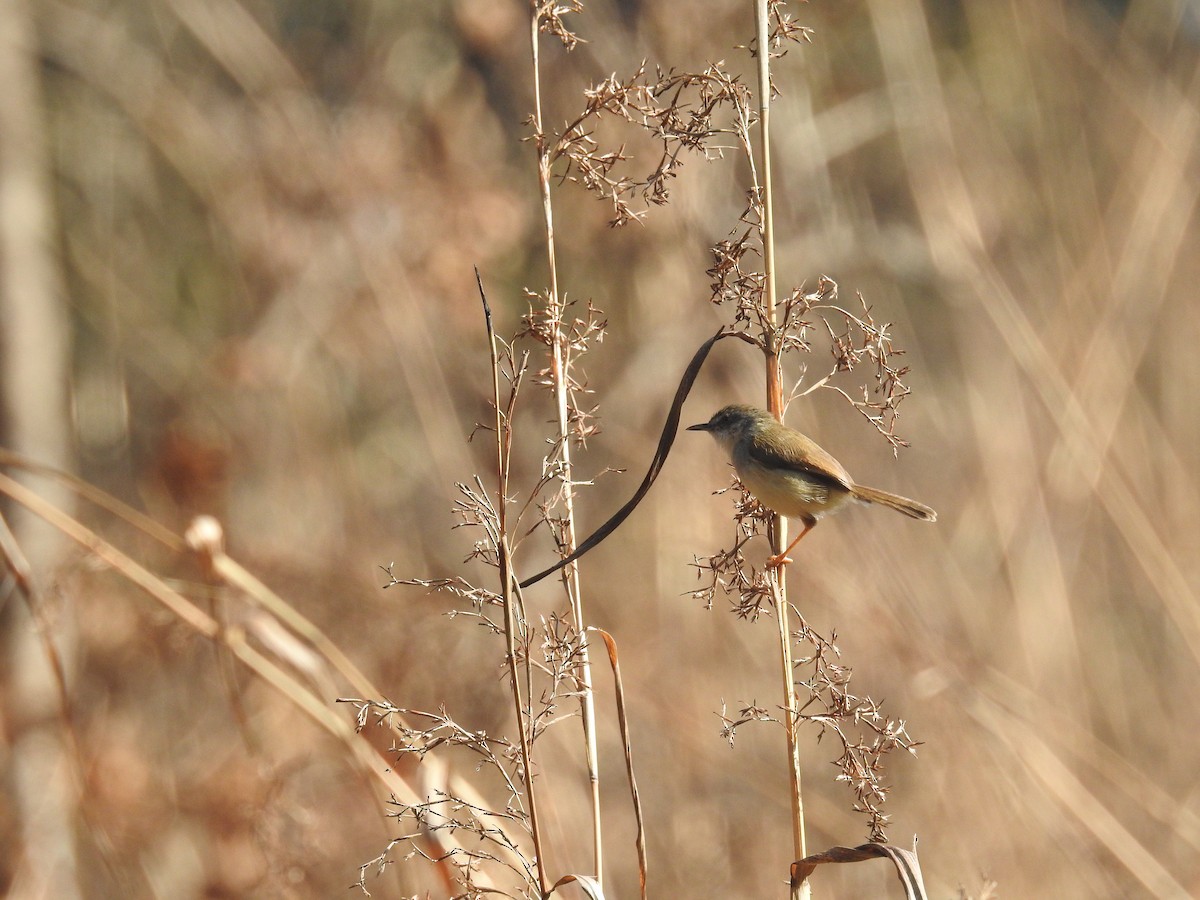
[[670, 429]]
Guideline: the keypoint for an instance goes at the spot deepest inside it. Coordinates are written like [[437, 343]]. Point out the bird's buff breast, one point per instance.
[[788, 492]]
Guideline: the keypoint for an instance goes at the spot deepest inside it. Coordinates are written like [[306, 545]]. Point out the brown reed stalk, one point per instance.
[[623, 720], [510, 592], [775, 405], [545, 16]]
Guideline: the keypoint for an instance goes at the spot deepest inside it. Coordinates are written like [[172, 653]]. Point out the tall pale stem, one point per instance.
[[509, 592], [775, 404], [560, 375]]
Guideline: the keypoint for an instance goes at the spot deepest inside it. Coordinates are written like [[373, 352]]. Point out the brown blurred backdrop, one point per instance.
[[238, 239]]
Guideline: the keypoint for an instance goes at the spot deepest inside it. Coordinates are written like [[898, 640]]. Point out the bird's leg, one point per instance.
[[782, 559]]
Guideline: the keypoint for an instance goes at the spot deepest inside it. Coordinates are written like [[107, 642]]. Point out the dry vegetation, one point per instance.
[[265, 217]]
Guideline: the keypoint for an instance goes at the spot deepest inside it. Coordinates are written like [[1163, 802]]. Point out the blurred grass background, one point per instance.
[[264, 217]]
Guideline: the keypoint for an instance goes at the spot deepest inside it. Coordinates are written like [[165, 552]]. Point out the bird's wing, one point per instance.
[[801, 454]]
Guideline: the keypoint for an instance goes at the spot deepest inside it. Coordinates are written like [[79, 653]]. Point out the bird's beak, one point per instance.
[[701, 427]]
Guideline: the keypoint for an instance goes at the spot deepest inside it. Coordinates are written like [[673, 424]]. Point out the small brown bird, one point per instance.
[[790, 474]]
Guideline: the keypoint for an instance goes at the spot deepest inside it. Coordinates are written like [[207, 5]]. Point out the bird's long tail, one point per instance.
[[896, 502]]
